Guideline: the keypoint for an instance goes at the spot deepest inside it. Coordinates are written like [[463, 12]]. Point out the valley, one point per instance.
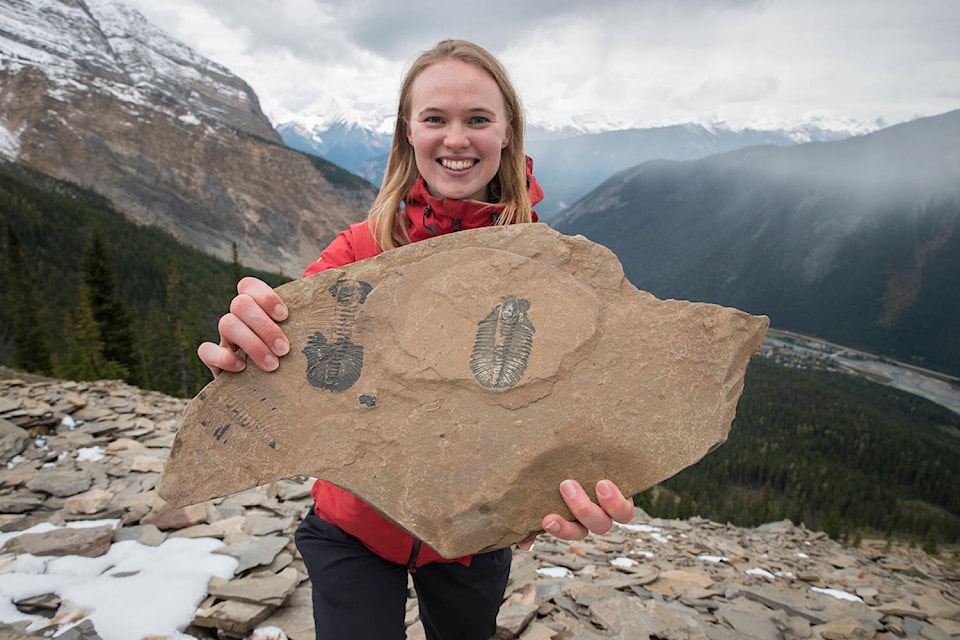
[[806, 352]]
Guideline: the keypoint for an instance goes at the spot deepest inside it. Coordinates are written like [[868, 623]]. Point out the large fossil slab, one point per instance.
[[455, 382]]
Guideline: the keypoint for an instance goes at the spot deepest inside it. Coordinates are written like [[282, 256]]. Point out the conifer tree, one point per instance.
[[30, 349], [236, 269], [83, 349], [113, 321], [174, 315], [833, 524]]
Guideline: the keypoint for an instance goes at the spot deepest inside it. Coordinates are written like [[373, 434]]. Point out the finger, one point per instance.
[[236, 334], [612, 501], [265, 297], [206, 355], [248, 311], [219, 359], [564, 529], [586, 511]]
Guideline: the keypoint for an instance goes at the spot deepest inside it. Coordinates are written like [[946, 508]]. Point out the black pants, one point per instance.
[[357, 595]]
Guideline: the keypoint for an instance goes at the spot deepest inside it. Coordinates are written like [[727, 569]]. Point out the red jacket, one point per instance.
[[428, 217]]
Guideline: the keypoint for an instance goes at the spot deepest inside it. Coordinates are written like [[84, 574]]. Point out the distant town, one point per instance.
[[805, 352]]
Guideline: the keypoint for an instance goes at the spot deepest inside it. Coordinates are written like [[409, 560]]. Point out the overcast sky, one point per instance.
[[625, 62]]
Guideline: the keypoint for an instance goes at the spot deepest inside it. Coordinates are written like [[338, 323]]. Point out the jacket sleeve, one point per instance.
[[352, 244], [337, 254]]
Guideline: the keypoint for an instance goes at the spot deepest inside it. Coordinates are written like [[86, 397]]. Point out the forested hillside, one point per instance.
[[833, 451], [88, 294]]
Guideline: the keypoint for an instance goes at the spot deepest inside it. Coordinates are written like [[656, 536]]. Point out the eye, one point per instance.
[[478, 120], [433, 120]]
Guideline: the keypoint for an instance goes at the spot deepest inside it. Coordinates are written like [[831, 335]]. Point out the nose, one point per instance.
[[456, 137]]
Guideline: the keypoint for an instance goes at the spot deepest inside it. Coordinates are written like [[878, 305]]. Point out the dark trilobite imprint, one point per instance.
[[251, 430], [502, 345], [334, 361]]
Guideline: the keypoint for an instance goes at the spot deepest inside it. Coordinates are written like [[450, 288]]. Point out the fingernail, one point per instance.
[[568, 489], [280, 312], [603, 490], [281, 347], [271, 363], [553, 526]]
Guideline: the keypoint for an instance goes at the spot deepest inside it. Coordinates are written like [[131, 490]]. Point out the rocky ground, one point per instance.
[[94, 451]]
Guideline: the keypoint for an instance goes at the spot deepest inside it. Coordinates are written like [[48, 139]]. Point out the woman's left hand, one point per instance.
[[590, 517]]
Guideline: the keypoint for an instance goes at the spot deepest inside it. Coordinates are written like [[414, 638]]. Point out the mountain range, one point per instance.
[[93, 94], [856, 241], [357, 148], [568, 163]]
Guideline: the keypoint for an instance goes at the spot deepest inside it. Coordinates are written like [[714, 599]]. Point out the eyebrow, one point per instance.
[[472, 110]]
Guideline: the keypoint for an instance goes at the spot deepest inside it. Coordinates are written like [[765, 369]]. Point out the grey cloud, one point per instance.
[[666, 59], [399, 30], [269, 27], [739, 89]]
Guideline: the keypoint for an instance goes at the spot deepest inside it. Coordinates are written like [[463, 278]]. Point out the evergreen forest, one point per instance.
[[86, 294], [832, 451]]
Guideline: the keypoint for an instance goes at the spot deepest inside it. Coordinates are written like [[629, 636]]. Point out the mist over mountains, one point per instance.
[[856, 241], [570, 167]]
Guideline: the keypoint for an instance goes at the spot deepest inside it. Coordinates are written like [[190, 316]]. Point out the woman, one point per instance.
[[456, 162]]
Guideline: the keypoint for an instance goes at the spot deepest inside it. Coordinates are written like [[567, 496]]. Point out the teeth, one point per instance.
[[457, 165]]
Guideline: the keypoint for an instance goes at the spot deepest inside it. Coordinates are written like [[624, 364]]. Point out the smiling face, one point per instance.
[[458, 128]]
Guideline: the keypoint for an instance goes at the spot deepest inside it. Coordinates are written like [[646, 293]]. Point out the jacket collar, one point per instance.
[[430, 216]]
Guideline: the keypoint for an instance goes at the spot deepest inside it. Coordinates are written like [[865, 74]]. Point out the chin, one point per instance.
[[458, 193]]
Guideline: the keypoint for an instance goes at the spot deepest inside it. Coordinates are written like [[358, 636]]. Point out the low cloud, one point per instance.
[[634, 63]]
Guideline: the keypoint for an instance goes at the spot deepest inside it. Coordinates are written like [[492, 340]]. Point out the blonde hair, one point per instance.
[[508, 187]]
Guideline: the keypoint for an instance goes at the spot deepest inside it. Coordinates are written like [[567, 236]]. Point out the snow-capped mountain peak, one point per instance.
[[114, 48], [91, 93]]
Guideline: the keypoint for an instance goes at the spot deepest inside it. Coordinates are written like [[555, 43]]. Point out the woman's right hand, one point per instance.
[[251, 326]]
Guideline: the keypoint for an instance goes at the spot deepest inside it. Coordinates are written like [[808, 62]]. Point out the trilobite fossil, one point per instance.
[[502, 345], [334, 363], [251, 430]]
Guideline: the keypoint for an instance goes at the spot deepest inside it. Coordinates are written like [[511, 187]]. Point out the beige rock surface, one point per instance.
[[454, 383]]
